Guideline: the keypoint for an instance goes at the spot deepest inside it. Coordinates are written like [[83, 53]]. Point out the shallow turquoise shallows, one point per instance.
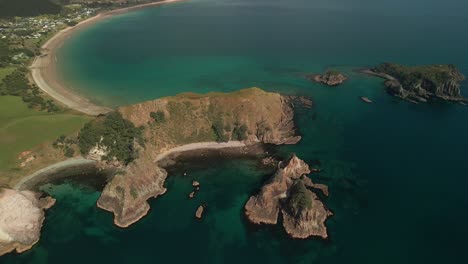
[[398, 172]]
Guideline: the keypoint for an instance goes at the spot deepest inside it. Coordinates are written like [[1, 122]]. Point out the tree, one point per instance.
[[240, 132], [69, 152], [114, 132]]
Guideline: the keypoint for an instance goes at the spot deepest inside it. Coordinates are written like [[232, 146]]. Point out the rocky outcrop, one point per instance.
[[330, 78], [21, 218], [199, 212], [421, 83], [250, 115], [286, 192], [127, 193], [310, 221]]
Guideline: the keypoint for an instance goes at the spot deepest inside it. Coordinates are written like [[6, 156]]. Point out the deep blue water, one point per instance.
[[397, 171]]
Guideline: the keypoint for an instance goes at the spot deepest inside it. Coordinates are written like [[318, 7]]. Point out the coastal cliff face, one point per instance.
[[250, 115], [421, 83], [304, 215], [21, 217]]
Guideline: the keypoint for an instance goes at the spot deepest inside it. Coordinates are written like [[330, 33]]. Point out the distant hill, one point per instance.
[[11, 8]]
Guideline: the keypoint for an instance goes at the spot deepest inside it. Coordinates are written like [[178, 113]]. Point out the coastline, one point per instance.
[[43, 68], [212, 145], [68, 167], [29, 182]]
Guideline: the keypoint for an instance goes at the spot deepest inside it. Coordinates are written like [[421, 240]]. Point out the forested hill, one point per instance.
[[11, 8]]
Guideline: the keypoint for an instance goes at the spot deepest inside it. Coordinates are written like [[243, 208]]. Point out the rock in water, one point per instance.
[[21, 218], [304, 214], [330, 78], [199, 212], [191, 195], [287, 192], [126, 194], [195, 183]]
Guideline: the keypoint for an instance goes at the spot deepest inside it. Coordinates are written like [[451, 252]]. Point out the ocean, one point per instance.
[[397, 171]]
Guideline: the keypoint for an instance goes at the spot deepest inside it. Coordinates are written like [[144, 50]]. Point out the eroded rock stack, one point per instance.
[[290, 192]]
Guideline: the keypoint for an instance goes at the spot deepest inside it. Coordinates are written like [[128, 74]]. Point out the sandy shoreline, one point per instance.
[[200, 146], [80, 163], [24, 183], [43, 69]]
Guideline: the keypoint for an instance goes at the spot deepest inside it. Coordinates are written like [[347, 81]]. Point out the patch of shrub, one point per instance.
[[16, 84], [218, 129], [158, 116], [114, 132], [299, 199], [69, 152], [240, 132]]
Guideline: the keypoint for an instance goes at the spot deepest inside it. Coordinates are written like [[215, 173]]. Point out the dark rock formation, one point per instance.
[[287, 192], [330, 78], [421, 83]]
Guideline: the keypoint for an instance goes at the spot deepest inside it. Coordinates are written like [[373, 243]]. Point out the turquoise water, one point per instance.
[[396, 171]]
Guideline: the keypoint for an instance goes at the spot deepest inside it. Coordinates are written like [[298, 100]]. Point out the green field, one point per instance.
[[22, 128]]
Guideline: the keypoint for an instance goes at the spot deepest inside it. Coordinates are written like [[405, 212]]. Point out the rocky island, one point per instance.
[[421, 83], [330, 78], [291, 193]]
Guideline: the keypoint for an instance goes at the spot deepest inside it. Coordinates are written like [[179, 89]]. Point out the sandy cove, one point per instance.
[[80, 163], [43, 68], [200, 146]]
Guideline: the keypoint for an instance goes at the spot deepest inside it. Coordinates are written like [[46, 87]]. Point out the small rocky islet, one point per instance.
[[421, 83], [291, 192], [329, 78]]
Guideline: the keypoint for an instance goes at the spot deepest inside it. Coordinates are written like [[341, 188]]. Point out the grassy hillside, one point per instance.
[[188, 118], [11, 8], [22, 129]]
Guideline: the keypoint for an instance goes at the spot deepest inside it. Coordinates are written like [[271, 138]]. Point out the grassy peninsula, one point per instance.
[[421, 83]]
